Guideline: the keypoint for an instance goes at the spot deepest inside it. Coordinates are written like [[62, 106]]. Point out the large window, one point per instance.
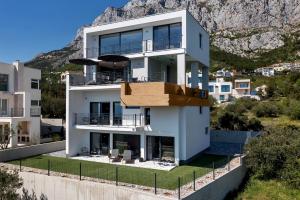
[[121, 43], [225, 88], [110, 44], [131, 42], [3, 107], [167, 36], [244, 85], [211, 88], [3, 82]]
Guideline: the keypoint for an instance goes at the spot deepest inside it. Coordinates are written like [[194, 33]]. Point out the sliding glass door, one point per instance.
[[99, 113], [160, 148], [99, 143], [117, 113]]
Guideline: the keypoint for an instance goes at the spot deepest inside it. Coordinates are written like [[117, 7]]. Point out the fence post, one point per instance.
[[48, 167], [20, 165], [117, 176], [178, 187], [194, 175], [155, 186], [228, 163], [214, 175], [134, 120], [80, 171]]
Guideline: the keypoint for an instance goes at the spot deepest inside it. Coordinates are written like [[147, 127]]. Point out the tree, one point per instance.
[[10, 182], [276, 155], [6, 136]]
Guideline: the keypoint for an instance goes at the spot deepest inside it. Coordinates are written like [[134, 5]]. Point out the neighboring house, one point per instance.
[[223, 73], [146, 106], [221, 90], [266, 71], [20, 101], [242, 89]]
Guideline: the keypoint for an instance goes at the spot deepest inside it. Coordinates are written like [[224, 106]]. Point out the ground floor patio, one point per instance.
[[143, 149]]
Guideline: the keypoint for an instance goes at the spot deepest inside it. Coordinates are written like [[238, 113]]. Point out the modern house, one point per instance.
[[221, 90], [242, 88], [20, 98], [146, 105]]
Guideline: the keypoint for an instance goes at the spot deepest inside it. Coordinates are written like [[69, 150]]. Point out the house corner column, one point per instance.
[[143, 146], [194, 75], [110, 142], [205, 78], [181, 69]]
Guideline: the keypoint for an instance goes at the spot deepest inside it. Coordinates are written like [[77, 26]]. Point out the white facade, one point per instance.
[[20, 98], [171, 133]]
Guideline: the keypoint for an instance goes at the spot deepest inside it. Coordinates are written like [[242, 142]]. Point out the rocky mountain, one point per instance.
[[246, 28]]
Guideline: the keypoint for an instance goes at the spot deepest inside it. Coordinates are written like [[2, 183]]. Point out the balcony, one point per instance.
[[111, 77], [13, 112], [162, 94], [35, 111], [103, 119]]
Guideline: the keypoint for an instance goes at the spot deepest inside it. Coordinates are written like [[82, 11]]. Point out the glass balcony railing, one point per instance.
[[13, 112], [105, 78], [104, 119]]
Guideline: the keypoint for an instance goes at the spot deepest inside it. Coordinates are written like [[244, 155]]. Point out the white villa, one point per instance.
[[145, 107], [20, 98]]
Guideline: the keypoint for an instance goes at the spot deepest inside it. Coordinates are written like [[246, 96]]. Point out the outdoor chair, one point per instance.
[[127, 156], [115, 155]]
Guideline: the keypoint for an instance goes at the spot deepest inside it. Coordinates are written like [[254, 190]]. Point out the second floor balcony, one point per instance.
[[105, 119], [113, 77], [13, 112]]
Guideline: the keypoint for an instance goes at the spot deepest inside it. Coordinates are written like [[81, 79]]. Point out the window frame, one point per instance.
[[169, 36], [7, 84], [200, 40], [120, 42], [35, 81]]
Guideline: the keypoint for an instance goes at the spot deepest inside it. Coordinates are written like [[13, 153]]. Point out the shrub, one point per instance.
[[266, 110], [276, 155], [254, 125]]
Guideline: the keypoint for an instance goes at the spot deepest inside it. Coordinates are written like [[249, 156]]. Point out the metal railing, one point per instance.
[[13, 112], [112, 77], [105, 119], [35, 111], [98, 78]]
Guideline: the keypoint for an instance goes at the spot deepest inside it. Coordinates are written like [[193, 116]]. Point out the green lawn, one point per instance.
[[268, 190], [134, 175]]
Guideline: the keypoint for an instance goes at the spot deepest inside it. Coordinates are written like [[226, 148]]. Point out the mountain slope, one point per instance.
[[243, 28]]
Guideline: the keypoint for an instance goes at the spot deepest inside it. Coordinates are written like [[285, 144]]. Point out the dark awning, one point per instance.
[[113, 58], [83, 61]]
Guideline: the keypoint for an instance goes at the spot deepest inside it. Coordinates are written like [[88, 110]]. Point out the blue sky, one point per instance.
[[29, 27]]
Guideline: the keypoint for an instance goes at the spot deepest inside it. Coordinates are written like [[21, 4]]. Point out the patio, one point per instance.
[[152, 164]]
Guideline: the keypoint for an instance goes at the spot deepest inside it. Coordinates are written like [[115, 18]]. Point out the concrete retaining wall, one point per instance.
[[59, 188], [33, 150], [231, 136], [218, 189]]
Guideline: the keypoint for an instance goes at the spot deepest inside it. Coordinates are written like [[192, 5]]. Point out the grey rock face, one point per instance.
[[242, 27]]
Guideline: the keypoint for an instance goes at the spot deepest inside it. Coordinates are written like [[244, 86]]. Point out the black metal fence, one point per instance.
[[156, 181]]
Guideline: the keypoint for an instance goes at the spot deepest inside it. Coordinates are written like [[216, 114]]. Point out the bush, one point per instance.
[[266, 110], [276, 155], [294, 109], [254, 125]]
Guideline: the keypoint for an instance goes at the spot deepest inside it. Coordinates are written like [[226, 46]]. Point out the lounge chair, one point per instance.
[[115, 155], [127, 156]]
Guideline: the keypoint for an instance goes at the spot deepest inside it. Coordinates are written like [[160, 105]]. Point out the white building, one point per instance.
[[20, 98], [221, 90], [146, 107], [266, 71]]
